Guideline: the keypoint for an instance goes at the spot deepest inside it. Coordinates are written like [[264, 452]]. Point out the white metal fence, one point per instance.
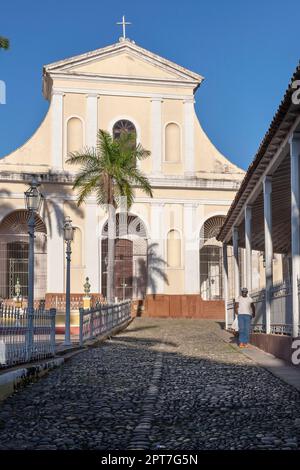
[[25, 337], [103, 319], [281, 310]]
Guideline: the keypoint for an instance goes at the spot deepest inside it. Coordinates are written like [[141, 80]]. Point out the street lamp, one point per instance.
[[68, 237], [33, 201]]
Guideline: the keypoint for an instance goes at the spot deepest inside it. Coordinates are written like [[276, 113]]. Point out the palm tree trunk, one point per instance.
[[111, 254]]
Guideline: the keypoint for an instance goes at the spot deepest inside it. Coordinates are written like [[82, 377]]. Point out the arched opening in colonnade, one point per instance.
[[211, 259], [14, 251]]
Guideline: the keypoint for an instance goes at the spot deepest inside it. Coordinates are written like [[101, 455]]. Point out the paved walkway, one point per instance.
[[161, 384]]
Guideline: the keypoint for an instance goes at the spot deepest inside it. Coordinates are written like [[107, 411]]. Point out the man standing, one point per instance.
[[244, 308]]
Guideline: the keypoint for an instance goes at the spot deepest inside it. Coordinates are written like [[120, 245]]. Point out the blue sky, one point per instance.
[[246, 50]]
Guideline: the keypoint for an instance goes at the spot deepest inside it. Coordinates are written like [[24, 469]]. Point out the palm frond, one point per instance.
[[86, 189], [139, 179], [80, 158], [4, 43]]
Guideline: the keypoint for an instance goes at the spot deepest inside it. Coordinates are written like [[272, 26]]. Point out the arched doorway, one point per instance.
[[14, 244], [130, 276], [211, 283]]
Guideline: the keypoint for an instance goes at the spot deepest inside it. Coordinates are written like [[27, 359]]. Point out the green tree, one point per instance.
[[4, 43], [110, 172]]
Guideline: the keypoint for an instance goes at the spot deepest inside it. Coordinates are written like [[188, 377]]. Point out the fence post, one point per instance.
[[81, 311], [119, 321], [92, 324], [111, 317], [52, 312], [115, 313], [29, 333], [100, 318]]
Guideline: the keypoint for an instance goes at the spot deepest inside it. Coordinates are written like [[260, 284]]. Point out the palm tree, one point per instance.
[[4, 43], [109, 170]]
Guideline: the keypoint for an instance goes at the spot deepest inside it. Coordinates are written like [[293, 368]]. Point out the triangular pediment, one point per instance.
[[124, 64], [124, 60]]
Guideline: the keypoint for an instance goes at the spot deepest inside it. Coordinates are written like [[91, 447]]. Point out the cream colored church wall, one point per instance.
[[74, 106], [212, 210], [137, 110], [128, 64], [174, 247], [35, 151], [191, 194], [172, 113], [175, 284], [208, 159], [173, 217], [144, 212], [9, 204]]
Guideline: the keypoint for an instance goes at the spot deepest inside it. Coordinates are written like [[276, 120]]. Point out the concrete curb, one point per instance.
[[18, 377], [12, 380], [287, 373]]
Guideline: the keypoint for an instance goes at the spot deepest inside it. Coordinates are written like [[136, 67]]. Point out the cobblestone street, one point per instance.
[[170, 384]]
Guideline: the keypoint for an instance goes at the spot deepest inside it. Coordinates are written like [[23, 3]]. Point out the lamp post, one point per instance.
[[33, 200], [68, 237]]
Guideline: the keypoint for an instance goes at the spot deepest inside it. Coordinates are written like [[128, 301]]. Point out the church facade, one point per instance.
[[172, 249]]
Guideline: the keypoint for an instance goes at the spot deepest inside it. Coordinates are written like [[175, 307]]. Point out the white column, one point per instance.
[[295, 228], [225, 282], [91, 243], [191, 251], [248, 229], [157, 239], [235, 241], [55, 247], [189, 145], [267, 188], [57, 130], [156, 135], [91, 120]]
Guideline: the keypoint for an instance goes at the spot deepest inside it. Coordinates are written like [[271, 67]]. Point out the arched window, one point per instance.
[[123, 127], [74, 135], [172, 143], [174, 249]]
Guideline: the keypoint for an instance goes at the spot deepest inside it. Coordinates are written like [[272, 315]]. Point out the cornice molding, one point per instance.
[[129, 79], [188, 203], [170, 182], [153, 96]]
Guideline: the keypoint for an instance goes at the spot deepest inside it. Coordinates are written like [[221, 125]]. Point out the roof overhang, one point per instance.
[[272, 153]]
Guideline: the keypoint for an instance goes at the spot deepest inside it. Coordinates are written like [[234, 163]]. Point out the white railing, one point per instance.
[[281, 310], [103, 319], [258, 323], [230, 312], [25, 337]]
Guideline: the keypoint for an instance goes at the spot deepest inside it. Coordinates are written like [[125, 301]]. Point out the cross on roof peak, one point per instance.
[[123, 23]]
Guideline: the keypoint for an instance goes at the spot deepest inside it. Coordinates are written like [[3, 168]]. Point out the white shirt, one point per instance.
[[244, 305]]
